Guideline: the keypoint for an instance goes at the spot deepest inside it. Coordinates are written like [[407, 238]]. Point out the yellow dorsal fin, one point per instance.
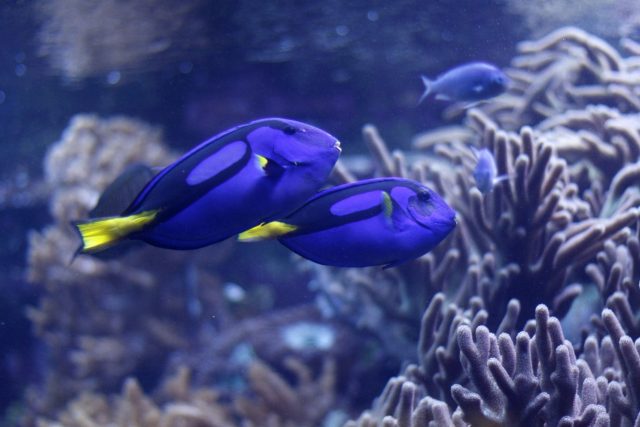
[[104, 232], [387, 204], [269, 230]]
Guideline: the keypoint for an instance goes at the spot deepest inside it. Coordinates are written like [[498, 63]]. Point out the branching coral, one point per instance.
[[566, 70], [275, 403], [536, 226], [221, 358], [565, 222], [532, 380]]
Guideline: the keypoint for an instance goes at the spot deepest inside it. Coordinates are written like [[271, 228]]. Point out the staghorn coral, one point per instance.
[[566, 70], [537, 229], [221, 357], [563, 228], [274, 403], [279, 404], [133, 408], [534, 379]]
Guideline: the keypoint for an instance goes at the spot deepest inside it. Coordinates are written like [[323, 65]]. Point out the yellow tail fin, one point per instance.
[[101, 233], [269, 230]]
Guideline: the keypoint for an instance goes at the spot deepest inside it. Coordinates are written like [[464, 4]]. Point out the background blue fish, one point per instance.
[[471, 82], [485, 172], [383, 221], [225, 185]]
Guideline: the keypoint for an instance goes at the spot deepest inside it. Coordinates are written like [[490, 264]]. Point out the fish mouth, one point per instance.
[[337, 146]]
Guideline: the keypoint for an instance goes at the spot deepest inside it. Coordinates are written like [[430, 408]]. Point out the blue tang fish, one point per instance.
[[485, 172], [229, 183], [383, 221], [471, 82]]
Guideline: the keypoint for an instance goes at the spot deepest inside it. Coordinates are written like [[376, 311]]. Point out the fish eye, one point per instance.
[[424, 196], [500, 79], [421, 203], [289, 130]]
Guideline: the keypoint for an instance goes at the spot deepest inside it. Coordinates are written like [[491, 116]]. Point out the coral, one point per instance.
[[279, 404], [133, 408], [538, 229], [275, 402], [534, 379], [566, 70], [559, 236], [221, 358]]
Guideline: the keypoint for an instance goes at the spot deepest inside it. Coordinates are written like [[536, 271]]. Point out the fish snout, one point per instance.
[[337, 146]]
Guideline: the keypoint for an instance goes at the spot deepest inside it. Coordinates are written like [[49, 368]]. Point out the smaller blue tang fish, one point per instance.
[[485, 172], [232, 182], [471, 82], [383, 221]]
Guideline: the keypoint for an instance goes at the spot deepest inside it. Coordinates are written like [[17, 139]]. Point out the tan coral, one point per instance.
[[276, 403]]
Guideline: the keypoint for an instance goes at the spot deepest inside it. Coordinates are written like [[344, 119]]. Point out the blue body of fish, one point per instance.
[[485, 172], [471, 82], [384, 221], [227, 184]]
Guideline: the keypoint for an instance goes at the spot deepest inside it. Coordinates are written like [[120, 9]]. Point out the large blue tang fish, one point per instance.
[[384, 221], [227, 184]]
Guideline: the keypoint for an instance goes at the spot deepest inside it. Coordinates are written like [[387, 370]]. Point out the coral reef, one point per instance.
[[554, 243], [275, 403], [532, 379], [527, 315]]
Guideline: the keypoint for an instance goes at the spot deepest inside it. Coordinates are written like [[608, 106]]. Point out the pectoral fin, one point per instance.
[[269, 230], [394, 264], [470, 105], [270, 167], [387, 205], [500, 178]]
